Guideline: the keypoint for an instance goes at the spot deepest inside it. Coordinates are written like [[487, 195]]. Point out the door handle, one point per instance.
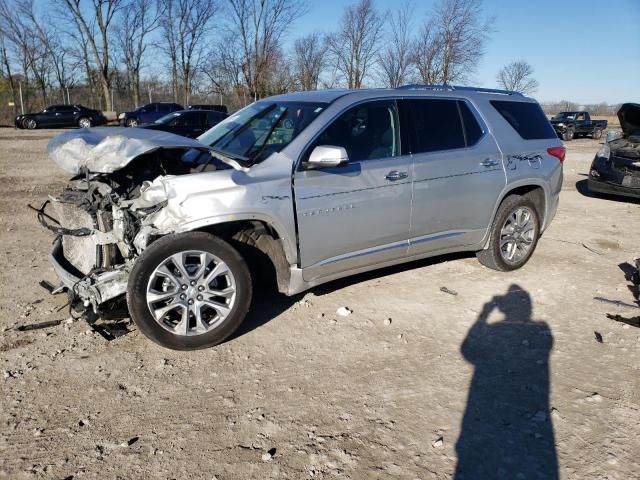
[[396, 175], [489, 162]]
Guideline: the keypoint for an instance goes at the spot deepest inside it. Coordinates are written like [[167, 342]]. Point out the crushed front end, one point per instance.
[[101, 218]]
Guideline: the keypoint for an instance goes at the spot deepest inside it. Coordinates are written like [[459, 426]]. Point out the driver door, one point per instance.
[[356, 215]]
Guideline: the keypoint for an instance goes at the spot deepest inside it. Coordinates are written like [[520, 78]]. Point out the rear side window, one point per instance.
[[526, 118], [436, 125], [472, 128]]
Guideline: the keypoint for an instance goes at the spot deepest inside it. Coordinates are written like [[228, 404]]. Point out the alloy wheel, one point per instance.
[[517, 235], [191, 292]]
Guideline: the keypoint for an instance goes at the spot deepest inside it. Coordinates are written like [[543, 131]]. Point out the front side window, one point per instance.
[[255, 132], [367, 132]]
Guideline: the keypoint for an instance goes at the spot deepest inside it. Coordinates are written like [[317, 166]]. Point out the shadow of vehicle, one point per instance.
[[268, 303], [582, 186], [506, 430]]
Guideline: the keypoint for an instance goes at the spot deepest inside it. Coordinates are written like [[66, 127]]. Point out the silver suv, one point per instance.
[[300, 189]]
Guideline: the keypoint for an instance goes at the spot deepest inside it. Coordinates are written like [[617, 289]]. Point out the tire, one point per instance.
[[84, 122], [597, 134], [30, 124], [132, 122], [568, 135], [494, 256], [178, 328]]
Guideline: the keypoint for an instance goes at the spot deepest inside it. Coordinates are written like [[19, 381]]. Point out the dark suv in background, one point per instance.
[[188, 123], [148, 113], [61, 116]]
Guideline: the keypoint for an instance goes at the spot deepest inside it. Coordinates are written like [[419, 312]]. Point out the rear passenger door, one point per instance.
[[358, 214], [457, 170]]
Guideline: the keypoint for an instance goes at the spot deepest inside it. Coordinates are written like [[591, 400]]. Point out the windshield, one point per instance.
[[255, 132], [565, 116], [168, 118]]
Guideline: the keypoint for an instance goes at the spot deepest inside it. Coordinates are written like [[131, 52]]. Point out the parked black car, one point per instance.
[[188, 123], [61, 116], [217, 108], [573, 124], [148, 113], [616, 167]]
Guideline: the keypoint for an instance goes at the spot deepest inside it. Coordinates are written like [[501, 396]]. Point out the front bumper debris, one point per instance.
[[93, 289]]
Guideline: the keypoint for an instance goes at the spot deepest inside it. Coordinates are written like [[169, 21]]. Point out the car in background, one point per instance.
[[616, 167], [61, 116], [570, 125], [188, 123], [148, 113], [217, 108]]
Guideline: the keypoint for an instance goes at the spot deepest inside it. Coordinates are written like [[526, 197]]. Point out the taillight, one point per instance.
[[558, 152]]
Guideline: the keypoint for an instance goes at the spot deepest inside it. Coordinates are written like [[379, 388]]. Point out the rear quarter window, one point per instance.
[[526, 118]]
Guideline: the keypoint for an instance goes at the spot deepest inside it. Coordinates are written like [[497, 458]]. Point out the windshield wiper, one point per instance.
[[236, 161]]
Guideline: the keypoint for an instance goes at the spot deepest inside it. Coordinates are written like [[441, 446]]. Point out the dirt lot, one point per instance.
[[506, 379]]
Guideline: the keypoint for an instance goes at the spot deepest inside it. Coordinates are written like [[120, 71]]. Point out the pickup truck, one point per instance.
[[569, 125]]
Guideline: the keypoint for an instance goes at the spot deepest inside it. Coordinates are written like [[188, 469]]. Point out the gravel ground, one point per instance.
[[498, 376]]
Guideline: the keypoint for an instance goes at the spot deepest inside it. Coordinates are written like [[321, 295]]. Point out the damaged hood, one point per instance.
[[107, 149], [629, 116]]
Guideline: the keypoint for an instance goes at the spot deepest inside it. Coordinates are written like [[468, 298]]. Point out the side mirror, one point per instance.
[[327, 156]]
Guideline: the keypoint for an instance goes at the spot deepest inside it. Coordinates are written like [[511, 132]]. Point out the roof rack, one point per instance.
[[455, 88]]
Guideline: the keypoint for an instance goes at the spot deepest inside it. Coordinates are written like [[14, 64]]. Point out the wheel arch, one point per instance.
[[535, 190], [261, 245]]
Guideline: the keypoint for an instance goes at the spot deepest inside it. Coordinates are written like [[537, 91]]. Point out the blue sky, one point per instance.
[[587, 51]]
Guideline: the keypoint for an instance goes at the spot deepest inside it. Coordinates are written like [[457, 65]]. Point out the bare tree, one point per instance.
[[140, 18], [452, 41], [19, 27], [261, 25], [355, 45], [518, 77], [309, 60], [224, 66], [5, 70], [396, 57], [94, 20], [185, 25]]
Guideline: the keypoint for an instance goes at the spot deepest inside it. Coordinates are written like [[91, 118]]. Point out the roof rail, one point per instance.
[[453, 88]]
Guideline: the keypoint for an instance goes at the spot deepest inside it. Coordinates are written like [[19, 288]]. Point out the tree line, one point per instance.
[[117, 54]]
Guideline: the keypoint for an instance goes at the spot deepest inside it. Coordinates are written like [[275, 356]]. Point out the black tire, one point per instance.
[[568, 135], [30, 124], [155, 254], [597, 134], [492, 257], [85, 120], [132, 122]]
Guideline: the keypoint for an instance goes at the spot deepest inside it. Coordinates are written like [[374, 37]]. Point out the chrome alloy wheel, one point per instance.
[[191, 292], [517, 235], [84, 123]]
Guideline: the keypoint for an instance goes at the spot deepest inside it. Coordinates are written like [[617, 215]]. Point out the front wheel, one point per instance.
[[568, 135], [132, 122], [189, 291], [514, 235], [30, 123]]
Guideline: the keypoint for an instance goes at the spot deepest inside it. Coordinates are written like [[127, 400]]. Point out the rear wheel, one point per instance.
[[30, 123], [84, 122], [514, 235], [597, 134], [189, 291]]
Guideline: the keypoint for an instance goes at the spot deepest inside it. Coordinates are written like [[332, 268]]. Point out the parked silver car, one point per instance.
[[305, 188]]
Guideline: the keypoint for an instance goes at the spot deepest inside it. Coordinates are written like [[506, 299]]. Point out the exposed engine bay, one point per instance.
[[104, 220]]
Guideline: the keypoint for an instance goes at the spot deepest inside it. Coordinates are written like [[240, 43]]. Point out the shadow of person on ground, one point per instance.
[[506, 430]]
